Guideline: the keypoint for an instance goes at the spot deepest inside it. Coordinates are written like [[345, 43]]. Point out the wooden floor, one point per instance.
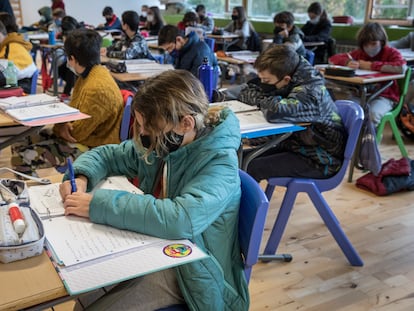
[[319, 277]]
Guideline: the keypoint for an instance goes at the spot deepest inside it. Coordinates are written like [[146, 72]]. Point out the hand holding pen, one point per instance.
[[72, 176], [352, 63]]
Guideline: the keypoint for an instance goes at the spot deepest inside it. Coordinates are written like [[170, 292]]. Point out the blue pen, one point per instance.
[[72, 175]]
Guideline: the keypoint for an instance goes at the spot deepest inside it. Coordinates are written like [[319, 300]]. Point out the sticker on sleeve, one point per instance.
[[177, 250]]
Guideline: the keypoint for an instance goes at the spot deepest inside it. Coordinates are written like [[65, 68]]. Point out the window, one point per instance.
[[395, 12]]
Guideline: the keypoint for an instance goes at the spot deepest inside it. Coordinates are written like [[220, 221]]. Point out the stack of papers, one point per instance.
[[33, 107], [151, 68]]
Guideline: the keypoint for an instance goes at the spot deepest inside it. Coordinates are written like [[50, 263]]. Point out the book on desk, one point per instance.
[[39, 109], [89, 256]]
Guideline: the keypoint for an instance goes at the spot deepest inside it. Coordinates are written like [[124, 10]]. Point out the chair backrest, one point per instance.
[[352, 116], [33, 82], [403, 85], [210, 42], [126, 118], [252, 216], [310, 56]]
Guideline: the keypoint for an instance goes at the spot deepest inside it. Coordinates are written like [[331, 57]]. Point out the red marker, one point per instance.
[[16, 218]]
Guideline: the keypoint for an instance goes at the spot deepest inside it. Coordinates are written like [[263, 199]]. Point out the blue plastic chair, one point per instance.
[[210, 42], [310, 56], [126, 119], [252, 216], [352, 116], [33, 85]]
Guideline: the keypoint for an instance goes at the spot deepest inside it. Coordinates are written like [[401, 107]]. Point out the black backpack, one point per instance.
[[254, 43]]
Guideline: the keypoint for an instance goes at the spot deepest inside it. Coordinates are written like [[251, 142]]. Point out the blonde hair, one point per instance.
[[163, 101]]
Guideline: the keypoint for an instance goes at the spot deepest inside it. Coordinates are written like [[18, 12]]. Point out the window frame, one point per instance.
[[399, 22]]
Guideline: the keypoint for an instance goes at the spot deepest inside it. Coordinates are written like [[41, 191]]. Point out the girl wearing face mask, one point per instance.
[[185, 157], [317, 29], [154, 21], [239, 26], [373, 53]]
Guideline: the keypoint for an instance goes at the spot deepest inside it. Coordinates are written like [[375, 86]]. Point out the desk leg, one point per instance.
[[55, 72], [355, 156], [16, 138], [259, 150]]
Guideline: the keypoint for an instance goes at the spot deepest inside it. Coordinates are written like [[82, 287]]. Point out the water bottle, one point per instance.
[[52, 34], [10, 73], [205, 74]]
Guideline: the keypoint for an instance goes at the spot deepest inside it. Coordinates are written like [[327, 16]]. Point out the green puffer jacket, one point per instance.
[[203, 196]]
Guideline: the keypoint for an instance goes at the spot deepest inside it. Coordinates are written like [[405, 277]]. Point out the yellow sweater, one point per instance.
[[19, 53], [98, 96]]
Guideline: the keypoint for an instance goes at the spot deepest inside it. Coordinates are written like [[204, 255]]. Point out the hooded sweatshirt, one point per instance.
[[16, 49]]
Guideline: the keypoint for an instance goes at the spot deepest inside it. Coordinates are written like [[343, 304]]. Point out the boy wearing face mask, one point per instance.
[[373, 53], [112, 21], [287, 33], [188, 50], [205, 22], [95, 93], [289, 89], [317, 29]]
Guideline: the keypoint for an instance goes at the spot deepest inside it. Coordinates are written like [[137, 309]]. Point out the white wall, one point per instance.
[[89, 11]]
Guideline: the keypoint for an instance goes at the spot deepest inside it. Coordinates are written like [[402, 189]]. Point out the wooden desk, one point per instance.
[[26, 283], [16, 130], [227, 38], [140, 75], [361, 83]]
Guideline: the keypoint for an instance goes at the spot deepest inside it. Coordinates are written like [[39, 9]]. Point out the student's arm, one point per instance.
[[393, 62], [403, 43], [244, 31], [208, 24], [229, 27], [185, 215], [294, 40]]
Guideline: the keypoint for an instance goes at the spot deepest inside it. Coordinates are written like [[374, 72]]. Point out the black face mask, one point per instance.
[[145, 141], [173, 141], [235, 17], [108, 19]]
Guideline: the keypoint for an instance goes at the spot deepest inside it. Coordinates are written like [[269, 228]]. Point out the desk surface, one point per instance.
[[6, 120], [367, 79], [31, 281], [224, 36]]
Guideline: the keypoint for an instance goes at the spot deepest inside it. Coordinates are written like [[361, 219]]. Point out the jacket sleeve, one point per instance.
[[185, 215], [403, 43], [393, 62]]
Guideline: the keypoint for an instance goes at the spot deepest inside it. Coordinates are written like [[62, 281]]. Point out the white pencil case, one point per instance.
[[12, 246]]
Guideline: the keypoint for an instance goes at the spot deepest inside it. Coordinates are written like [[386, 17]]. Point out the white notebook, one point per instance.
[[41, 111]]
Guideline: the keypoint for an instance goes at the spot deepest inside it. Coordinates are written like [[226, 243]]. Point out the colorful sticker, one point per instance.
[[177, 250]]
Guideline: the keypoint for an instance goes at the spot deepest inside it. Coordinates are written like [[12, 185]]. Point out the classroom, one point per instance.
[[154, 151]]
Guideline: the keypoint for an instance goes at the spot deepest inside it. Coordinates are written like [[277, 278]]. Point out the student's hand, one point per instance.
[[77, 203], [64, 130], [353, 64], [65, 188], [363, 64]]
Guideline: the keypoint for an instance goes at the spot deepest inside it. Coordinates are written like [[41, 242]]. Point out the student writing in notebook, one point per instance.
[[95, 93], [185, 156], [373, 53]]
